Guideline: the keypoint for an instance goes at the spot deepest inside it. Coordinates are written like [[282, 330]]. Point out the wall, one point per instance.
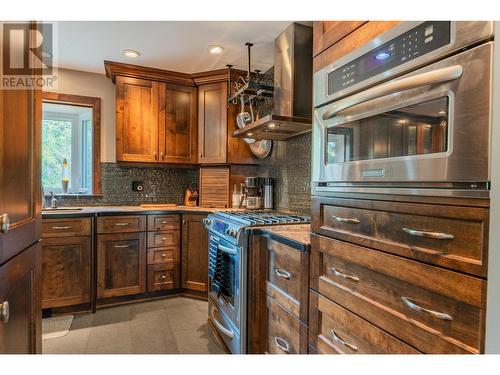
[[290, 166], [97, 85]]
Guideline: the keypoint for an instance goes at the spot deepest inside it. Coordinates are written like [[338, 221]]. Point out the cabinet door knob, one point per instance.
[[161, 155], [4, 223], [4, 312]]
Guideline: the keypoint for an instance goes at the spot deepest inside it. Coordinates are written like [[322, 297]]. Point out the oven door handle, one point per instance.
[[219, 325], [227, 250], [436, 76]]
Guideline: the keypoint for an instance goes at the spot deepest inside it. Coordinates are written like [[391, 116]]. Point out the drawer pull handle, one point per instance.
[[282, 344], [434, 314], [220, 327], [121, 224], [61, 228], [163, 277], [345, 343], [122, 246], [164, 222], [435, 235], [344, 275], [164, 238], [4, 312], [347, 220], [163, 255], [282, 273]]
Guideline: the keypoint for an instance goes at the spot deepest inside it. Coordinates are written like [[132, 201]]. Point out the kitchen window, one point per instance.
[[70, 144]]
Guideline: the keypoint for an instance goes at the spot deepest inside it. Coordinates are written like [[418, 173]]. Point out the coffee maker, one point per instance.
[[258, 193]]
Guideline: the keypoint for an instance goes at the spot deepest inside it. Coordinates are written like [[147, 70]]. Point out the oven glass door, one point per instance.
[[416, 129]]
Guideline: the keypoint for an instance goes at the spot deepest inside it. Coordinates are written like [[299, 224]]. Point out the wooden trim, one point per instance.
[[214, 76], [95, 104], [114, 69]]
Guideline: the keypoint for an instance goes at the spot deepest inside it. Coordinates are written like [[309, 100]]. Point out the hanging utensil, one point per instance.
[[261, 149], [250, 140], [243, 118]]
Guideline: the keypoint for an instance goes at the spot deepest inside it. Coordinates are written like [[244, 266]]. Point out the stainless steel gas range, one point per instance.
[[227, 268]]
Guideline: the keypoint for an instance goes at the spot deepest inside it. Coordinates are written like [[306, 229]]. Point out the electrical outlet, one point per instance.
[[137, 185]]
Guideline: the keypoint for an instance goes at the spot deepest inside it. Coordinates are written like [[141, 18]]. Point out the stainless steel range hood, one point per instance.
[[292, 100]]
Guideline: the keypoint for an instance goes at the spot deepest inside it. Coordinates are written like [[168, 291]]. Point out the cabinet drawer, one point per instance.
[[163, 276], [284, 334], [161, 239], [432, 309], [163, 255], [66, 227], [449, 236], [287, 277], [163, 222], [121, 224], [334, 329]]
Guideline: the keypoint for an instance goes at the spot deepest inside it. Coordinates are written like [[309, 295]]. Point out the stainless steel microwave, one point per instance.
[[409, 111]]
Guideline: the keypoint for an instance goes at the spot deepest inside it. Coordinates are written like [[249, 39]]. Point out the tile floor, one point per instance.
[[175, 325]]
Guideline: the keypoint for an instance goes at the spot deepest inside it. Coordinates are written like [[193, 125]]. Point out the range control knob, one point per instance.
[[207, 221], [233, 232]]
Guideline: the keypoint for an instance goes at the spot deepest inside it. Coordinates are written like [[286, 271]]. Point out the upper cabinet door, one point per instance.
[[212, 123], [20, 195], [136, 120], [327, 33], [177, 129]]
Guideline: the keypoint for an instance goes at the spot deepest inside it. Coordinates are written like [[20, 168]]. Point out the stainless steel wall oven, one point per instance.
[[410, 111]]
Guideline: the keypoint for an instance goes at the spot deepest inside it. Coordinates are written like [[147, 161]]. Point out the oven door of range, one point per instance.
[[227, 295], [429, 126]]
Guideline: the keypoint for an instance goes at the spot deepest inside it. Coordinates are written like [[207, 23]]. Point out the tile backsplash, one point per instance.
[[161, 185], [290, 166]]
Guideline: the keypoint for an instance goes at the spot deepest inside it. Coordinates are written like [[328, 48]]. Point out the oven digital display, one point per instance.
[[417, 42], [220, 226]]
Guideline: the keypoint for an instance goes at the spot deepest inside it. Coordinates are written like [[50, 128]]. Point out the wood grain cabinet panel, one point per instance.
[[66, 271], [162, 239], [163, 255], [20, 287], [121, 264], [286, 277], [177, 124], [335, 330], [163, 276], [194, 253], [163, 222], [282, 332], [121, 224], [66, 227], [136, 120], [430, 308], [212, 123], [214, 187], [450, 236], [327, 33]]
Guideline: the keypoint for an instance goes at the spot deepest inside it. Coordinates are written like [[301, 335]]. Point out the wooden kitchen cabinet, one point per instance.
[[177, 126], [66, 271], [327, 33], [121, 264], [136, 120], [194, 253], [20, 281], [212, 123]]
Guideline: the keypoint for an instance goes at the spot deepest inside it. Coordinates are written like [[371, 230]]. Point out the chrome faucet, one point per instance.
[[53, 200]]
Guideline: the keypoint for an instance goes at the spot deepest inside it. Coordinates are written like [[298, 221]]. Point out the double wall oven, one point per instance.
[[409, 112]]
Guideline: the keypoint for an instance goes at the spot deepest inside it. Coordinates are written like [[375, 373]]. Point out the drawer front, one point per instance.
[[430, 308], [121, 224], [163, 222], [163, 255], [335, 330], [449, 236], [285, 333], [287, 278], [163, 276], [161, 239], [66, 227]]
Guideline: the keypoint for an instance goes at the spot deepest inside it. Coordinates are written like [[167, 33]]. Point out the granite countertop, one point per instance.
[[294, 235], [120, 210]]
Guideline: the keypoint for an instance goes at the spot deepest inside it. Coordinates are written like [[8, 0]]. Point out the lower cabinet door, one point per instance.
[[66, 271], [121, 264], [281, 333], [335, 330], [194, 253], [20, 303]]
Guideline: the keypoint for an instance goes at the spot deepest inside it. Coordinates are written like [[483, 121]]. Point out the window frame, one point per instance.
[[95, 104]]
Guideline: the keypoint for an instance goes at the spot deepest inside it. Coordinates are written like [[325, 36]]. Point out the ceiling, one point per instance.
[[173, 45]]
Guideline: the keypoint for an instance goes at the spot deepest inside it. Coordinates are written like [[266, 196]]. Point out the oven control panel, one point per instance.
[[424, 38]]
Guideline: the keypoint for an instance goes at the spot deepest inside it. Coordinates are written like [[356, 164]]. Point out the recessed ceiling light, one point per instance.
[[271, 125], [131, 53], [214, 49], [249, 134], [442, 112]]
